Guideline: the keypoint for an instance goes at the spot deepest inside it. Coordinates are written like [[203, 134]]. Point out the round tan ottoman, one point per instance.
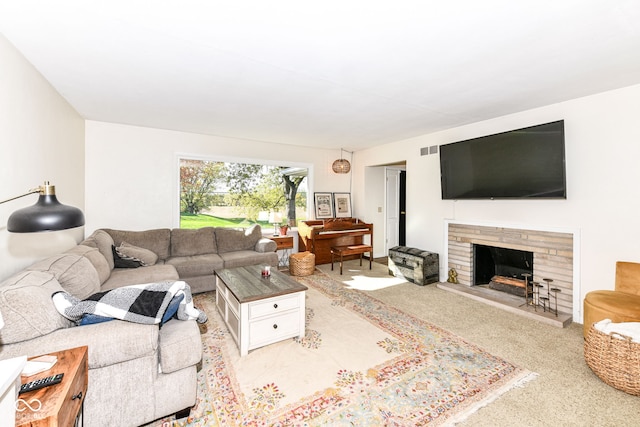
[[302, 264]]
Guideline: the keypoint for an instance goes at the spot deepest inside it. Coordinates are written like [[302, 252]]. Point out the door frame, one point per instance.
[[396, 173]]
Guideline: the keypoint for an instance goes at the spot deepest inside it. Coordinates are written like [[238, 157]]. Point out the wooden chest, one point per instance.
[[415, 265]]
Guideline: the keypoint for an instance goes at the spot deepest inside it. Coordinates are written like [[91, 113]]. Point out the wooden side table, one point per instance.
[[284, 244], [60, 404]]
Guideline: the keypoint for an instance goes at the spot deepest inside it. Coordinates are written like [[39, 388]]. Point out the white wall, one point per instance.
[[603, 175], [132, 172], [41, 139]]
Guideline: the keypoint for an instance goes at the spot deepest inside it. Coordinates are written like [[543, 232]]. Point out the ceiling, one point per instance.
[[335, 74]]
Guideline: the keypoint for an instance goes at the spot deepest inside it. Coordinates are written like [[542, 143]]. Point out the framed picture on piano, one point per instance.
[[342, 205], [324, 205]]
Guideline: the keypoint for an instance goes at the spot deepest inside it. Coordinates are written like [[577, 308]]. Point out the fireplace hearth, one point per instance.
[[539, 254]]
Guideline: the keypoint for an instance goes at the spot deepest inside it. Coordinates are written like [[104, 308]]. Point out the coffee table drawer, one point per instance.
[[274, 328], [273, 306]]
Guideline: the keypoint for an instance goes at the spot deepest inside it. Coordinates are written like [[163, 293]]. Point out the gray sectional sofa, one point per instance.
[[137, 373], [191, 254]]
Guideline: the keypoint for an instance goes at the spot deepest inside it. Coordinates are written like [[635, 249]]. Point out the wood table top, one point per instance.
[[247, 284], [60, 403]]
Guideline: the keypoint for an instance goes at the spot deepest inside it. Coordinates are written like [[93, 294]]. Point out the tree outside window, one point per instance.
[[225, 194]]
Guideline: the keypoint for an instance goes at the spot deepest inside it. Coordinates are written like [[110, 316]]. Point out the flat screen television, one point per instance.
[[519, 164]]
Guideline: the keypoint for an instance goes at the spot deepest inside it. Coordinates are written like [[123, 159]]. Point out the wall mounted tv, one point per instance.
[[519, 164]]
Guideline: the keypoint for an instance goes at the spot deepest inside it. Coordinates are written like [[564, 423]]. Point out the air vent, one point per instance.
[[429, 150]]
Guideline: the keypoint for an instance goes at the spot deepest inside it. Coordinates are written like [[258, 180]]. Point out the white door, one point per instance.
[[392, 208]]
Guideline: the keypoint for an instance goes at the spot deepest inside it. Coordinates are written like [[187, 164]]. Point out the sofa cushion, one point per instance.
[[242, 258], [157, 240], [231, 239], [180, 345], [134, 340], [19, 295], [95, 257], [124, 261], [75, 273], [193, 242], [136, 276], [103, 241], [146, 256], [197, 265]]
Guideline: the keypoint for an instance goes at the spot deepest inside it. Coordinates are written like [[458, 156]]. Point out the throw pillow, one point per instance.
[[124, 261], [90, 319], [156, 240], [145, 256], [172, 309]]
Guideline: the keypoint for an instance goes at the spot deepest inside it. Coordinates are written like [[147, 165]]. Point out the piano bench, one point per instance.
[[343, 251]]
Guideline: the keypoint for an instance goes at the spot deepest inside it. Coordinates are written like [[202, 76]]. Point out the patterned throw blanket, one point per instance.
[[151, 303]]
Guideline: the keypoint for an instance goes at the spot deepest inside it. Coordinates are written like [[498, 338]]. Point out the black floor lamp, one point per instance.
[[48, 214]]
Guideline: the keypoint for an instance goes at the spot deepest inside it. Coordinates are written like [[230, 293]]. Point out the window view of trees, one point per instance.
[[220, 194]]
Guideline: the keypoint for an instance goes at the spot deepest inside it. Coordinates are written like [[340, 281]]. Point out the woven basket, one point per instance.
[[302, 264], [615, 359]]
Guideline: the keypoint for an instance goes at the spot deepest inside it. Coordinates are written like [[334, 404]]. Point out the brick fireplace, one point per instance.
[[553, 255]]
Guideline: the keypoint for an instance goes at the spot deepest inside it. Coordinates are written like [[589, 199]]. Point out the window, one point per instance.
[[233, 194]]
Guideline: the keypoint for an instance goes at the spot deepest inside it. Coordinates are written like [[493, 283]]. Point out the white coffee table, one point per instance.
[[259, 311]]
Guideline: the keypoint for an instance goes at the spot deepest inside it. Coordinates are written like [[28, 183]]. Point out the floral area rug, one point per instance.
[[361, 363]]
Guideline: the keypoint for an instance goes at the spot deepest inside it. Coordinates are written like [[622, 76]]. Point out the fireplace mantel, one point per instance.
[[555, 251]]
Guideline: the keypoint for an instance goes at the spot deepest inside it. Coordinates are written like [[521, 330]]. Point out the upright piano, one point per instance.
[[318, 236]]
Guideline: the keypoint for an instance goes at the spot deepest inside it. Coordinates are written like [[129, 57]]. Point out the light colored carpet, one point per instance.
[[361, 363], [565, 393], [327, 347]]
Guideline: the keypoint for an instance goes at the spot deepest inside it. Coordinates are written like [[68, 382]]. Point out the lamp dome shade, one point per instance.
[[48, 214]]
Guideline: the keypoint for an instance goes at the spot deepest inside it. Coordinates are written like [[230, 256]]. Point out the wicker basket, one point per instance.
[[615, 359], [302, 264]]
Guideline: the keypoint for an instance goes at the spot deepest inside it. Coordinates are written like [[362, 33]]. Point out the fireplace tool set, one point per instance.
[[533, 295]]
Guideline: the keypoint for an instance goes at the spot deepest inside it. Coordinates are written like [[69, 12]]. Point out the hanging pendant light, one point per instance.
[[341, 165]]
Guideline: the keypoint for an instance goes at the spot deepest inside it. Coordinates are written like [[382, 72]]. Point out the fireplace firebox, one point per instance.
[[502, 269]]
